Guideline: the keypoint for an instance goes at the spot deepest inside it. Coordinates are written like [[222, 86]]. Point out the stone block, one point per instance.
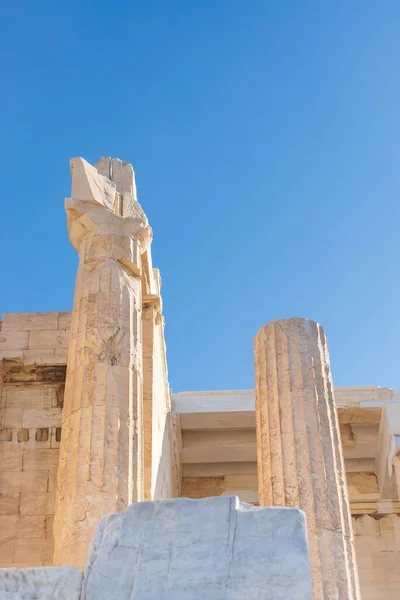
[[41, 417], [213, 548], [366, 525], [32, 526], [45, 459], [33, 503], [389, 522], [37, 354], [9, 504], [49, 525], [29, 321], [13, 340], [88, 185], [202, 487], [10, 458], [7, 527], [28, 397], [6, 435], [64, 320], [123, 177], [23, 481], [46, 583], [53, 478], [241, 482], [61, 355], [11, 418], [51, 338], [11, 353], [6, 551], [32, 549]]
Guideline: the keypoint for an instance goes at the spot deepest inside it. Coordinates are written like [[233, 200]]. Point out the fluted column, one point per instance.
[[300, 462], [101, 453]]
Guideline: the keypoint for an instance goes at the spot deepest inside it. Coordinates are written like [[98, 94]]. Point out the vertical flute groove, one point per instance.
[[299, 453]]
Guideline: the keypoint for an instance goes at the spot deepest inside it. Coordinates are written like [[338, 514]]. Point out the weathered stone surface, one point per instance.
[[44, 583], [29, 321], [123, 177], [217, 548], [300, 460], [90, 186], [101, 450]]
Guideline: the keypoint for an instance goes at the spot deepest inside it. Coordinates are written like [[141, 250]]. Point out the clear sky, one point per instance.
[[265, 137]]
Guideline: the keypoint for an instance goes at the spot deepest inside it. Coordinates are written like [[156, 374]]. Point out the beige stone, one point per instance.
[[27, 397], [23, 481], [64, 320], [6, 550], [29, 321], [38, 459], [11, 354], [366, 526], [148, 324], [34, 503], [41, 417], [31, 526], [10, 458], [36, 355], [9, 503], [300, 462], [103, 166], [241, 482], [202, 487], [49, 526], [88, 184], [219, 446], [362, 486], [101, 450], [13, 340], [52, 338], [220, 469], [123, 177], [7, 527], [11, 418], [33, 550]]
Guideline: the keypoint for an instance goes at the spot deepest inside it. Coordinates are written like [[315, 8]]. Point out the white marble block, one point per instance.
[[213, 549], [42, 583]]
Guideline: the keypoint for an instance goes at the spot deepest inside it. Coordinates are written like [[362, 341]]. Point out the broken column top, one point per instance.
[[109, 183]]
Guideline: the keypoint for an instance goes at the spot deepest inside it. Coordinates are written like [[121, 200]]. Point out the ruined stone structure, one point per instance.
[[88, 424]]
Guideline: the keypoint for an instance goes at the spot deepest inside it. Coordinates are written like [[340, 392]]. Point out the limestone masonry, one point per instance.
[[89, 427]]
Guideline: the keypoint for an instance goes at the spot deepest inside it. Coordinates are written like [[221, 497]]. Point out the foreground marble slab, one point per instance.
[[44, 583], [215, 548]]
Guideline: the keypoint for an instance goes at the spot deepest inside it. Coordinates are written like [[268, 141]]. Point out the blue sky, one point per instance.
[[265, 137]]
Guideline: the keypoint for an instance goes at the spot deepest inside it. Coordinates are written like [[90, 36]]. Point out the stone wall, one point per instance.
[[33, 352], [242, 485], [377, 542]]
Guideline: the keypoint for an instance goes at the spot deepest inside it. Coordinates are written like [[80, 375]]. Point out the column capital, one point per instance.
[[85, 218], [103, 202]]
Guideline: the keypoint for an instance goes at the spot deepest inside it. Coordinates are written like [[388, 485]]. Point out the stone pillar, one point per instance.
[[388, 457], [300, 462], [101, 454]]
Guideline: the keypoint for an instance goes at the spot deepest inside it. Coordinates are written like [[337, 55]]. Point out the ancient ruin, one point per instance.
[[90, 427]]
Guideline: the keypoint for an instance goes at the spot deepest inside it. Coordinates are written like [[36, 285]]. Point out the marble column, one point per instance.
[[101, 454], [299, 454]]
